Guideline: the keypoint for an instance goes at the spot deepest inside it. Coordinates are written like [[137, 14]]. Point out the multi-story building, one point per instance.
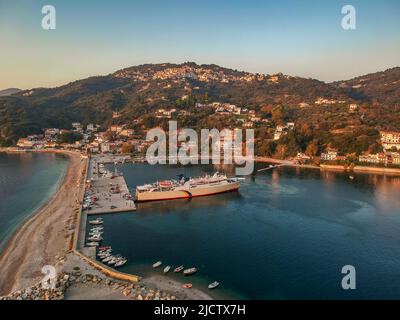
[[25, 143], [330, 155], [91, 128], [377, 158], [390, 139], [77, 127]]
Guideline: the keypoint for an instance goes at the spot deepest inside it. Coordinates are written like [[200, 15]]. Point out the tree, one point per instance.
[[150, 121], [266, 148], [312, 148], [278, 116], [111, 135], [69, 137]]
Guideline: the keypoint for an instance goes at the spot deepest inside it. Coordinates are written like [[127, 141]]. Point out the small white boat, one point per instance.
[[106, 259], [112, 261], [213, 285], [189, 271], [95, 234], [166, 269], [97, 221], [104, 252], [95, 239], [157, 264], [120, 263], [178, 269], [96, 231]]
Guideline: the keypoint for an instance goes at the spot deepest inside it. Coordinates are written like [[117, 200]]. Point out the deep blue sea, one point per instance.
[[285, 235], [27, 180]]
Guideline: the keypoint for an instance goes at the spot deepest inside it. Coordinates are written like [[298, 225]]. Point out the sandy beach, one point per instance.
[[44, 238]]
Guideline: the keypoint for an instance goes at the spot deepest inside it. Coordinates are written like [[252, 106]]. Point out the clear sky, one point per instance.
[[296, 37]]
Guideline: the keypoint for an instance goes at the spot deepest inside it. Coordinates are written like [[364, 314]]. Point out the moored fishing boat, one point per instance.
[[120, 263], [157, 264], [189, 271], [187, 286], [95, 234], [95, 239], [112, 261], [187, 188], [166, 269], [178, 269], [213, 285], [97, 221], [103, 256], [106, 259]]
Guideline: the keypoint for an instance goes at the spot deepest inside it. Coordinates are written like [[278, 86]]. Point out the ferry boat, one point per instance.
[[187, 188]]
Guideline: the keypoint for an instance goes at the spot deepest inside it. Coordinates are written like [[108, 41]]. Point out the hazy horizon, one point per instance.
[[298, 38]]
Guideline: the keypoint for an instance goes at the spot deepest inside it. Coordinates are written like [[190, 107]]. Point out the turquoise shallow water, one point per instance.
[[26, 182], [285, 235]]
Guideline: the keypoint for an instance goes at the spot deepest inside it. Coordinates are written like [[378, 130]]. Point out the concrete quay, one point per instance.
[[109, 202]]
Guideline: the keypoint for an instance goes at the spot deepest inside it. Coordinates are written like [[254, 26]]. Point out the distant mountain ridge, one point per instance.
[[9, 91], [382, 87], [140, 90]]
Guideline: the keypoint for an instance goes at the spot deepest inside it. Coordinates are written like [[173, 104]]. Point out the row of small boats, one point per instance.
[[95, 233], [186, 272], [176, 270], [105, 255]]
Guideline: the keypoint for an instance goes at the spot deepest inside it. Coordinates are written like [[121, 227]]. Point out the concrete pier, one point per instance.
[[108, 201]]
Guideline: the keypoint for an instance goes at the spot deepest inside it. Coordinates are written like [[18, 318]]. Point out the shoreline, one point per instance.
[[331, 167], [43, 237], [36, 209]]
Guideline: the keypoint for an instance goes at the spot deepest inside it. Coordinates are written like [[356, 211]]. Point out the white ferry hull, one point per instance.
[[190, 193]]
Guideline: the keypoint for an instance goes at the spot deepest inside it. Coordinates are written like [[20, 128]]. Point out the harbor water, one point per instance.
[[285, 235]]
